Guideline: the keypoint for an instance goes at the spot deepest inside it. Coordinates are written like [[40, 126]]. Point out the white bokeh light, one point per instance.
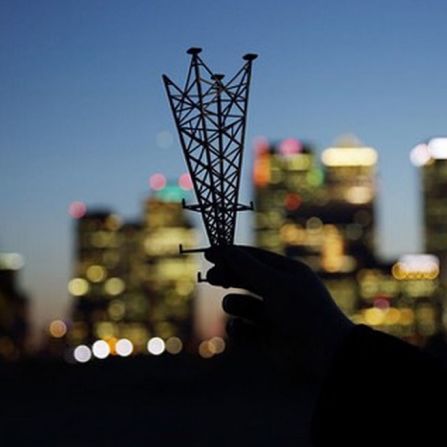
[[82, 354], [420, 155], [100, 349], [124, 347], [438, 148], [156, 346]]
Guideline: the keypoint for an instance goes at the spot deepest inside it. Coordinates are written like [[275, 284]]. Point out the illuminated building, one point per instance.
[[402, 298], [285, 179], [13, 309], [350, 171], [131, 284], [431, 157], [322, 216], [97, 284], [170, 277], [326, 218]]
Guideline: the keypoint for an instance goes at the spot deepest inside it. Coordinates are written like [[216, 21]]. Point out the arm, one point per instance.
[[375, 389], [380, 391]]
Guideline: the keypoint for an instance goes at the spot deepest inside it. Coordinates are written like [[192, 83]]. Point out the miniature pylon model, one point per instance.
[[210, 116]]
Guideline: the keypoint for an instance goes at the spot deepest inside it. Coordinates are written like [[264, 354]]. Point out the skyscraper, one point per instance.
[[431, 157], [97, 286], [13, 309], [350, 171], [326, 217], [130, 280], [169, 277], [322, 216], [285, 179]]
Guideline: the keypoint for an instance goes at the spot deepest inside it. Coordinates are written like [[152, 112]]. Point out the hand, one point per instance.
[[294, 310]]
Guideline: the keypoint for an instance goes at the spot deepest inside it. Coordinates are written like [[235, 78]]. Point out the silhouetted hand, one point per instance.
[[294, 313]]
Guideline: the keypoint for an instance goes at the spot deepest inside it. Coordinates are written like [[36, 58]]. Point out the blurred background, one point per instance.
[[345, 160]]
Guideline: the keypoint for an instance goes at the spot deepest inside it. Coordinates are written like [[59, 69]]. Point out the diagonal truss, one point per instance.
[[210, 117]]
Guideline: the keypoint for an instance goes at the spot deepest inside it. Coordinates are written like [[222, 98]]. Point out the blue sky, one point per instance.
[[82, 103]]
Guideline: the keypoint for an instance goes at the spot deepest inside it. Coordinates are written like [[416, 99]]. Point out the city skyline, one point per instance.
[[160, 186], [84, 117]]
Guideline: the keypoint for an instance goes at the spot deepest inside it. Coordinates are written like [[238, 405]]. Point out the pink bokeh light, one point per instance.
[[77, 209], [185, 182], [290, 146], [381, 303], [157, 181]]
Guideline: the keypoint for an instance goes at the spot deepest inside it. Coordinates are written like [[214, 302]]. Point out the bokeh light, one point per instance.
[[216, 345], [157, 181], [101, 349], [78, 286], [117, 309], [205, 350], [77, 209], [381, 303], [11, 261], [374, 316], [82, 354], [96, 273], [57, 329], [261, 145], [420, 155], [438, 148], [124, 347], [185, 182], [156, 346], [290, 146], [292, 201], [174, 345], [114, 286]]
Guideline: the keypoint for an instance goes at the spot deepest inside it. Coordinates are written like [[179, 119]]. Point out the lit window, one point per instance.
[[114, 286], [78, 286], [96, 273]]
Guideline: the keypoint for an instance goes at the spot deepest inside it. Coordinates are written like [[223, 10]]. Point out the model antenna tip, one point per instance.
[[249, 57], [194, 50]]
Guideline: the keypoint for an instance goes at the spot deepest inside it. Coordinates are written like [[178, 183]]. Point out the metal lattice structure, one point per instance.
[[210, 116]]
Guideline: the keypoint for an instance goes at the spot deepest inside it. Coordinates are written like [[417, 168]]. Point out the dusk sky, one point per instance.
[[83, 111]]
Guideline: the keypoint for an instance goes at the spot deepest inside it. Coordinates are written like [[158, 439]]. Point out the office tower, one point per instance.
[[169, 276], [329, 223], [431, 157], [130, 280], [13, 309], [285, 179], [97, 286], [323, 217], [402, 298], [350, 172]]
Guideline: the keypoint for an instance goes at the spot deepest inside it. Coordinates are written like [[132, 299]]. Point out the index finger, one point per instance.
[[238, 268]]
